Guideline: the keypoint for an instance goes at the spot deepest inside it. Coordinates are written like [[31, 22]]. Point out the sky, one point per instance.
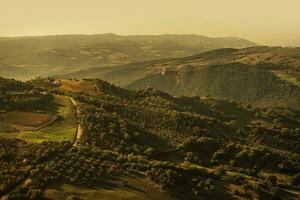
[[266, 22]]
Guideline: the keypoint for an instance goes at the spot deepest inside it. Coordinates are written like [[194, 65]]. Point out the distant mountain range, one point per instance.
[[188, 65], [261, 76], [27, 57]]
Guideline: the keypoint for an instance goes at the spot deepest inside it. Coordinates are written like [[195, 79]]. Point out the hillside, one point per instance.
[[147, 144], [29, 57], [261, 76]]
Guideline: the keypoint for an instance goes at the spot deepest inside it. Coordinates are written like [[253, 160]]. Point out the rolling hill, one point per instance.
[[261, 76], [28, 57], [149, 145]]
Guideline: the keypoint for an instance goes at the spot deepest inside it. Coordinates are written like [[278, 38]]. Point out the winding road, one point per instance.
[[79, 131]]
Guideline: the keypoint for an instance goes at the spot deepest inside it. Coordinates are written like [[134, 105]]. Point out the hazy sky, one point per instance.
[[271, 22]]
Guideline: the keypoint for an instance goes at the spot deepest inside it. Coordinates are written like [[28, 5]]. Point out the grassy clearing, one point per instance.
[[137, 188], [291, 78], [63, 129]]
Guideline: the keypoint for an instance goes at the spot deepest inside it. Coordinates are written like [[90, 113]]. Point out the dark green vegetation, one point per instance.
[[16, 95], [189, 147], [260, 76], [29, 57]]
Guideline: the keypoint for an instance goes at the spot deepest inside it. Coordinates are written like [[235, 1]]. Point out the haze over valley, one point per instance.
[[149, 100]]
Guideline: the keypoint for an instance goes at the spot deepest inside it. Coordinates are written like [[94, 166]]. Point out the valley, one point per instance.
[[266, 76], [30, 57]]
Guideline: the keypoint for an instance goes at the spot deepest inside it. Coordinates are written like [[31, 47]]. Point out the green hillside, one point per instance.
[[29, 57]]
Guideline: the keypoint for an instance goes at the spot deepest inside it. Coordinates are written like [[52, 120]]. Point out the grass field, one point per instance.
[[63, 129], [137, 189], [78, 87]]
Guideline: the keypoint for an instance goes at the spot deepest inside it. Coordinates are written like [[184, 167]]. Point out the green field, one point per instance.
[[62, 129], [291, 78], [137, 189]]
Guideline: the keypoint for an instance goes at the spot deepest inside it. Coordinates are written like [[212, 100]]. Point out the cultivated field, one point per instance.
[[62, 129], [28, 121]]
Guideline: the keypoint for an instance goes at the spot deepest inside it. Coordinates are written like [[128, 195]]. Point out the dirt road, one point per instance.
[[79, 131]]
